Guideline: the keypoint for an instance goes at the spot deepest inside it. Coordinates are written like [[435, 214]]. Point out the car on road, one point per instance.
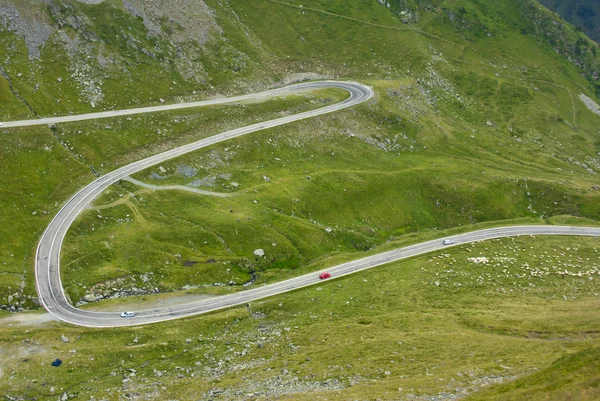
[[127, 314], [447, 242], [324, 275]]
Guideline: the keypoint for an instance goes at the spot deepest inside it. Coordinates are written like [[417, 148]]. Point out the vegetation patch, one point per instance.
[[317, 188], [440, 325]]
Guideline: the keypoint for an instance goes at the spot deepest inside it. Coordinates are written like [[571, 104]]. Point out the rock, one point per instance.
[[64, 338], [285, 372], [235, 184], [328, 229], [136, 340], [259, 253], [59, 80], [90, 298], [215, 391], [593, 106]]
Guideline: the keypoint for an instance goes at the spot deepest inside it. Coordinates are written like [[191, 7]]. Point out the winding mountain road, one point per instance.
[[47, 267]]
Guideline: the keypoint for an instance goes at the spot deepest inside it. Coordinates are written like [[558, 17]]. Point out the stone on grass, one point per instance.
[[90, 298]]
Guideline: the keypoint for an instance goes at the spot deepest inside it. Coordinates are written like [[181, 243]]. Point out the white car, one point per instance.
[[127, 314], [447, 242]]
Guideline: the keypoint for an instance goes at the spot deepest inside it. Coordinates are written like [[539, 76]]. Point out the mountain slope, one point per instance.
[[65, 56], [477, 122], [460, 84], [581, 13]]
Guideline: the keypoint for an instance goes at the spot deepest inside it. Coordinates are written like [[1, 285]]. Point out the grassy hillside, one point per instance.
[[436, 327], [477, 121], [584, 14], [66, 56], [365, 187], [572, 377]]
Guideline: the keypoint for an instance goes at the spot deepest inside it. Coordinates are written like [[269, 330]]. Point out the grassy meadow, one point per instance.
[[477, 122], [496, 314]]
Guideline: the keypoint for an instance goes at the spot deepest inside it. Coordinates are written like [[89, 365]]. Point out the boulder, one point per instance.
[[90, 298]]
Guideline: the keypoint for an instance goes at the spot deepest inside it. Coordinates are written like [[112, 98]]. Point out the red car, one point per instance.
[[324, 275]]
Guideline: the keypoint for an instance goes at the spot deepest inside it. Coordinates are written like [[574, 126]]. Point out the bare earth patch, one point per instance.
[[27, 319]]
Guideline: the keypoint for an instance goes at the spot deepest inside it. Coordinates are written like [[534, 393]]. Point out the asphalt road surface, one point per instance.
[[47, 268]]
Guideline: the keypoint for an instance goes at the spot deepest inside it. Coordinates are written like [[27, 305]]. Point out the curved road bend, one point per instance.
[[68, 313], [47, 264], [354, 88], [47, 267]]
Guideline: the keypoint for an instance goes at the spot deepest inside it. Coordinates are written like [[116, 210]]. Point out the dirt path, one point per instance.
[[27, 319], [176, 187]]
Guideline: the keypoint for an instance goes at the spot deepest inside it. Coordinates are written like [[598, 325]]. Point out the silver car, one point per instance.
[[447, 242], [127, 314]]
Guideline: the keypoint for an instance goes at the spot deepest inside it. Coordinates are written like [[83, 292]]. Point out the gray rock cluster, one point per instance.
[[29, 23], [593, 106]]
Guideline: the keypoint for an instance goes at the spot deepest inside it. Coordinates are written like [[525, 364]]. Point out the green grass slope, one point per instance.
[[477, 119], [573, 377], [477, 122], [439, 326], [336, 184], [66, 56]]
